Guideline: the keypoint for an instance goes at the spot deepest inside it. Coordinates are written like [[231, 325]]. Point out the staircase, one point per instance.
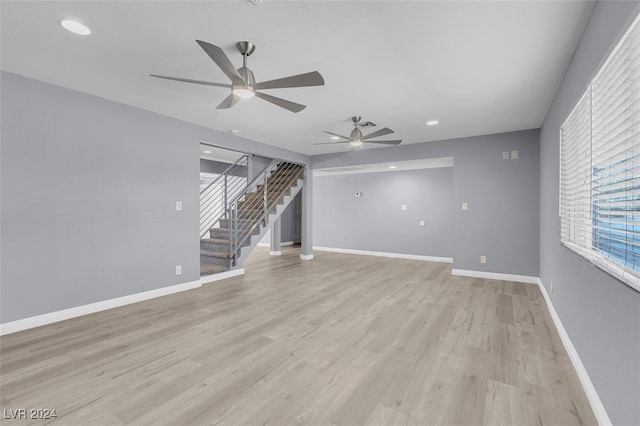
[[246, 217]]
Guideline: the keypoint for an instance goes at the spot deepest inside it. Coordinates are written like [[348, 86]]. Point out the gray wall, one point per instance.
[[375, 222], [88, 192], [288, 221], [502, 221], [258, 164], [601, 314]]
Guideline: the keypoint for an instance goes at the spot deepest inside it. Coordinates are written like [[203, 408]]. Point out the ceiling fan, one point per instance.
[[243, 83], [356, 138]]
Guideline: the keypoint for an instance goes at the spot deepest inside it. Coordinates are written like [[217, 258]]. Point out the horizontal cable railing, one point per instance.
[[215, 197], [248, 211]]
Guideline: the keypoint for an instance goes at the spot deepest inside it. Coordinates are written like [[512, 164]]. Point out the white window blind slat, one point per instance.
[[600, 166]]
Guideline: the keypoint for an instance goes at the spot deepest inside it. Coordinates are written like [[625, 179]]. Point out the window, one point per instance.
[[600, 166]]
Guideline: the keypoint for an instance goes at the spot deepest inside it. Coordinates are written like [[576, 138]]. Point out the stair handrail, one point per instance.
[[212, 211], [257, 179], [262, 205]]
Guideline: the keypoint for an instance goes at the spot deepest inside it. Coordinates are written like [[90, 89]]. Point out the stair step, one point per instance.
[[213, 258], [214, 244], [224, 232], [242, 223], [256, 214], [212, 269]]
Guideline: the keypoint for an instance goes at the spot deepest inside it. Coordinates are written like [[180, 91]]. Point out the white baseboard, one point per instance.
[[221, 276], [596, 404], [275, 253], [51, 317], [306, 256], [386, 254], [496, 276], [285, 244]]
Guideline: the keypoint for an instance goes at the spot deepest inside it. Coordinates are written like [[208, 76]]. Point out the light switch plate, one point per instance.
[[465, 206], [178, 205], [505, 155], [422, 223], [403, 207], [514, 154], [178, 269]]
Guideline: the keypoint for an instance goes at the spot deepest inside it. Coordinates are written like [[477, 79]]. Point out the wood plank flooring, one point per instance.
[[340, 340]]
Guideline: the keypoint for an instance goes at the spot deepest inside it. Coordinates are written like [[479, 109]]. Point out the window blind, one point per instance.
[[600, 166]]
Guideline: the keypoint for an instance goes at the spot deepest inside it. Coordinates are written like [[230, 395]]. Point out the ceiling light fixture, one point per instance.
[[433, 123], [356, 142], [244, 92], [74, 27]]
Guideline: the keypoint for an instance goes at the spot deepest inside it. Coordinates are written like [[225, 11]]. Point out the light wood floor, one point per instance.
[[340, 340]]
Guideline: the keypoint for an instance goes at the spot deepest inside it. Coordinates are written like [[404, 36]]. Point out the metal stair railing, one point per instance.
[[214, 198], [255, 209]]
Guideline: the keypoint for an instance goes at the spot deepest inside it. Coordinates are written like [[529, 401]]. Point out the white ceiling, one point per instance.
[[480, 67]]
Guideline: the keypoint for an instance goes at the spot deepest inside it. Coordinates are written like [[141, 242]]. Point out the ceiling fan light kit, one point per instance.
[[243, 83]]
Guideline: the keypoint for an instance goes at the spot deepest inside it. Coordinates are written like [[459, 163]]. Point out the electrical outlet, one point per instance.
[[505, 155], [178, 205], [483, 259], [178, 269], [403, 207], [422, 223], [514, 154]]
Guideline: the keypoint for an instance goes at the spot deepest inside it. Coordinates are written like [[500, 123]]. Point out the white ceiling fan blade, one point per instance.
[[188, 80], [335, 134], [330, 143], [389, 142], [283, 103], [301, 80], [381, 132], [223, 62], [228, 102]]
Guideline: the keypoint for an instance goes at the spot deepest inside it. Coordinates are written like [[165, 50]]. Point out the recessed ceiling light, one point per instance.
[[207, 152], [392, 167], [432, 123], [335, 138], [74, 27]]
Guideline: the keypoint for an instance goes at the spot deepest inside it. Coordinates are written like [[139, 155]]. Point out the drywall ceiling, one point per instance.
[[479, 67]]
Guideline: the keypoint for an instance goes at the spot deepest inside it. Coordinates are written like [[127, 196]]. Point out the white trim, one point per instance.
[[51, 317], [306, 256], [285, 244], [386, 254], [496, 276], [275, 253], [594, 400], [221, 276]]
